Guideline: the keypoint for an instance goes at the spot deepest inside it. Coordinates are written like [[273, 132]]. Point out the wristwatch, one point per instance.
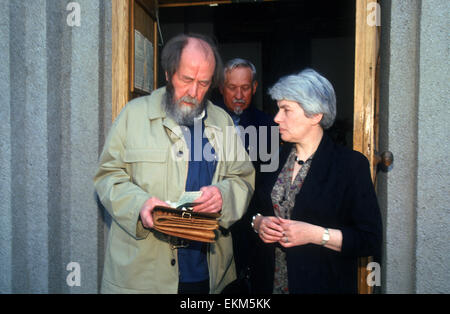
[[253, 222], [325, 237]]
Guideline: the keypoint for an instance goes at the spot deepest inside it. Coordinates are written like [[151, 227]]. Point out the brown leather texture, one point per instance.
[[186, 224]]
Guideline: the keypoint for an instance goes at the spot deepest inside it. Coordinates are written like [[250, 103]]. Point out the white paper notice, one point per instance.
[[143, 62]]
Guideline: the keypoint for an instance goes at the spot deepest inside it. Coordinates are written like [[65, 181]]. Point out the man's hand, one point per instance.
[[147, 209], [210, 201]]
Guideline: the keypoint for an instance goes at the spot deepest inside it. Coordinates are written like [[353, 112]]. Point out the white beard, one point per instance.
[[183, 114]]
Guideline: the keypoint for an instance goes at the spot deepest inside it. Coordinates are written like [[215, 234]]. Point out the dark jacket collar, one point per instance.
[[320, 166], [321, 158]]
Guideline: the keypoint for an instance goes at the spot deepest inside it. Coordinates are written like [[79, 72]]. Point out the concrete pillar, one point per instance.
[[5, 154], [29, 160], [82, 147], [398, 133], [414, 117], [56, 108], [433, 164]]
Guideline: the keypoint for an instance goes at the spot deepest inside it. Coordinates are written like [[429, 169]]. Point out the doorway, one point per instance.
[[280, 38], [340, 39]]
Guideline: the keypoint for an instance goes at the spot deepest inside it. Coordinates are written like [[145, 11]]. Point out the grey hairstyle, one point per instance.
[[240, 63], [313, 92]]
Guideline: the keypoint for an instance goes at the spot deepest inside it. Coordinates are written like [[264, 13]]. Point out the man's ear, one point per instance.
[[167, 76], [255, 85]]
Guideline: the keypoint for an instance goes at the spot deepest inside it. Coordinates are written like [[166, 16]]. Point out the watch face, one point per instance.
[[325, 237]]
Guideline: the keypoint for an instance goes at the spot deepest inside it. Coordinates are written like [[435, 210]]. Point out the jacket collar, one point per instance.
[[320, 163], [154, 108], [321, 160]]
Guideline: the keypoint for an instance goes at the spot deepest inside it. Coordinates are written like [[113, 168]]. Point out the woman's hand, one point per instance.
[[297, 232], [269, 229], [301, 233]]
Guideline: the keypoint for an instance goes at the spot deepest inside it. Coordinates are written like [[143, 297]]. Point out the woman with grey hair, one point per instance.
[[318, 212]]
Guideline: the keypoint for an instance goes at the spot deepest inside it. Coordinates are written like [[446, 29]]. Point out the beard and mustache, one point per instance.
[[238, 109], [180, 113]]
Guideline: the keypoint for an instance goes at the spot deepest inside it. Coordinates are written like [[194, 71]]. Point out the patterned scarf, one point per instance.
[[283, 193], [283, 200]]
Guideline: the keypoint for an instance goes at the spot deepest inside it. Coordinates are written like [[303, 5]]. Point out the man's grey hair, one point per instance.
[[240, 63], [313, 92], [171, 55]]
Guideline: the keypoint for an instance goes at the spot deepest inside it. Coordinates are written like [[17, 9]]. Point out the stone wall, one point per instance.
[[55, 108], [414, 116]]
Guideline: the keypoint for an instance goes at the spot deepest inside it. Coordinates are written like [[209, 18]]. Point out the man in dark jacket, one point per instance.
[[238, 88], [254, 126]]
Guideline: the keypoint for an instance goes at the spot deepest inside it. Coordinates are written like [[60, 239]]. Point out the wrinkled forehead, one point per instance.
[[240, 75]]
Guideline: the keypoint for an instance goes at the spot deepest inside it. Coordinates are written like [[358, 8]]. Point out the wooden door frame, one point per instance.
[[366, 99], [366, 102], [123, 48], [365, 117], [120, 20]]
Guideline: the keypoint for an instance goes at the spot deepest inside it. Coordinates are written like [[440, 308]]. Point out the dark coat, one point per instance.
[[257, 118], [337, 193], [242, 236]]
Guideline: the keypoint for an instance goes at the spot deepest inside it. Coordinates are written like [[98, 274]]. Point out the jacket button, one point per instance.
[[172, 262]]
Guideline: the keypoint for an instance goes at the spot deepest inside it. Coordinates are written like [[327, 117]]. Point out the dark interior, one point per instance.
[[280, 38]]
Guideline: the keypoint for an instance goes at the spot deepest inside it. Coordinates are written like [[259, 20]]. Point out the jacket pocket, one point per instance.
[[148, 169], [145, 155]]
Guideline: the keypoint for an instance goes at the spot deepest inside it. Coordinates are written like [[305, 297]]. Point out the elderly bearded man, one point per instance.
[[150, 157]]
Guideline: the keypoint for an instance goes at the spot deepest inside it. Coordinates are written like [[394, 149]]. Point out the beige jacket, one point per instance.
[[141, 159]]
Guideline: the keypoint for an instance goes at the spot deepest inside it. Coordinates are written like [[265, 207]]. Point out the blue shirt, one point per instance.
[[192, 261]]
